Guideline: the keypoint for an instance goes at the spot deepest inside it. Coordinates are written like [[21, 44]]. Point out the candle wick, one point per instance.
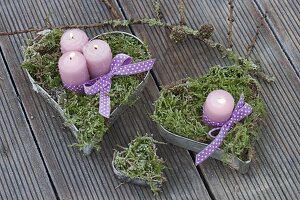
[[221, 100], [95, 46], [72, 55]]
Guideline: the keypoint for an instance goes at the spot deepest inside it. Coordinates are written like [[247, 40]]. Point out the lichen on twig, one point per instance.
[[235, 58], [230, 24], [115, 14], [82, 26], [157, 9], [255, 36], [181, 8], [178, 32]]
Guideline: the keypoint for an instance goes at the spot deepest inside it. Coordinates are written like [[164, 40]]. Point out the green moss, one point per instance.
[[179, 107], [139, 160], [41, 58]]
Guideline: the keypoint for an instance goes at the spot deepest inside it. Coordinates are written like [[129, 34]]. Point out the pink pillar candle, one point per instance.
[[73, 40], [73, 68], [98, 56], [218, 106]]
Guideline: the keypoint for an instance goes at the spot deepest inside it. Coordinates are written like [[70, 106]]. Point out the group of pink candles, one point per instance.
[[82, 59]]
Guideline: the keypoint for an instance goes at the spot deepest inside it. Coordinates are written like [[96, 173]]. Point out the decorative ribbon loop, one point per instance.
[[241, 111], [213, 130], [121, 65]]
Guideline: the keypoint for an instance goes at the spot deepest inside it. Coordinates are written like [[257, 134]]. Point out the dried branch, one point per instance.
[[254, 38], [115, 14], [60, 27], [181, 8], [230, 23], [181, 32], [157, 9], [178, 32], [247, 64], [47, 21]]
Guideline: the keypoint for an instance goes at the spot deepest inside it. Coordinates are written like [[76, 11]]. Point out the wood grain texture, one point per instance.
[[275, 172], [22, 172], [283, 18], [74, 175]]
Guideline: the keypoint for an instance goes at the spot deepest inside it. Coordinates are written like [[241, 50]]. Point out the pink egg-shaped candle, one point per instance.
[[73, 68], [218, 106], [73, 40], [98, 56]]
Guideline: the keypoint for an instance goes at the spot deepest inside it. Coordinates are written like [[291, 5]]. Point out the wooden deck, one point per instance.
[[36, 162]]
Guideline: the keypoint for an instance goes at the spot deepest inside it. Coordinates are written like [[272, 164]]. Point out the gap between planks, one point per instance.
[[28, 121], [272, 29]]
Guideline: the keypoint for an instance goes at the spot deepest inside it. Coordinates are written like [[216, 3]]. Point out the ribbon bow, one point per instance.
[[241, 111], [121, 65]]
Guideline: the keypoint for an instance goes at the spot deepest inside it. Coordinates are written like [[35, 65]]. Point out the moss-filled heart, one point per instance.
[[139, 163], [179, 108], [41, 59]]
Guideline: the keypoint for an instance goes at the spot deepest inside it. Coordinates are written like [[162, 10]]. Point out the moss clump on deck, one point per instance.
[[139, 160], [41, 59], [179, 107]]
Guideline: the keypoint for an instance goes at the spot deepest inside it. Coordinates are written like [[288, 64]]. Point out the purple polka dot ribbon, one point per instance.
[[241, 111], [121, 65]]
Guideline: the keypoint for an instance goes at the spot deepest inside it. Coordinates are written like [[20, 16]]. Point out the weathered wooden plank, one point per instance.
[[74, 175], [275, 173], [283, 18], [22, 172]]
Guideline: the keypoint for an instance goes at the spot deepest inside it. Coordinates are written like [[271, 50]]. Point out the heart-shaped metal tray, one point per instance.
[[115, 113]]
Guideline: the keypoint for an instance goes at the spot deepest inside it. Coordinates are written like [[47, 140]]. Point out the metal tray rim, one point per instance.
[[121, 176], [192, 145]]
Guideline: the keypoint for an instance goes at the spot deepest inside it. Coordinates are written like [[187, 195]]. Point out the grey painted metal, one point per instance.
[[115, 113], [121, 176], [232, 161]]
